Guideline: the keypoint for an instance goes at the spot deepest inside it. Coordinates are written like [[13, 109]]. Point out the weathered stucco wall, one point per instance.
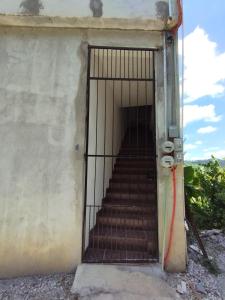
[[177, 258], [125, 15], [88, 8], [42, 132]]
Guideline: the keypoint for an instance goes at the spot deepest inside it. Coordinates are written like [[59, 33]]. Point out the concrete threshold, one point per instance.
[[122, 282]]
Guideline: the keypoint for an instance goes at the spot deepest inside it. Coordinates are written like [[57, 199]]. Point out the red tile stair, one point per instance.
[[126, 225]]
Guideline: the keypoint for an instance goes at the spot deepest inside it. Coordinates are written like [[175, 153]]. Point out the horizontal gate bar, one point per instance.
[[121, 78], [119, 156], [123, 48]]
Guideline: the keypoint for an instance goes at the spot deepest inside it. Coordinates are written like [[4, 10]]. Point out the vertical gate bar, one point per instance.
[[113, 88], [154, 145], [137, 109], [105, 126], [89, 224], [96, 129], [146, 103], [124, 67], [87, 144], [111, 52]]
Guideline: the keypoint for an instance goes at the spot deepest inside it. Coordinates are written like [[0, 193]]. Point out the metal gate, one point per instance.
[[120, 213]]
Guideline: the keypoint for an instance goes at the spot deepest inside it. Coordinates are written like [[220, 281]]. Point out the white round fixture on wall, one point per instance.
[[168, 147], [167, 161]]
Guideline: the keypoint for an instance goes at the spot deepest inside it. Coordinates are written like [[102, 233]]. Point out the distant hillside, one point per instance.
[[203, 162]]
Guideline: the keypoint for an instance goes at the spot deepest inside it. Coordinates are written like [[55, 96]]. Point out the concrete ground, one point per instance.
[[110, 282]]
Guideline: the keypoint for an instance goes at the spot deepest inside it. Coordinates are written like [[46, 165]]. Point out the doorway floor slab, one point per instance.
[[119, 282]]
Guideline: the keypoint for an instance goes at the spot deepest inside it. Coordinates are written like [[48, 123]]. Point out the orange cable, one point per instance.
[[180, 18], [173, 217]]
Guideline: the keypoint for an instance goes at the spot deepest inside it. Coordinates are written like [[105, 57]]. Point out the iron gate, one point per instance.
[[120, 213]]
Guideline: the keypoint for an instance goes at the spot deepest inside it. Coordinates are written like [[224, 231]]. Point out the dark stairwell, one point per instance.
[[126, 224]]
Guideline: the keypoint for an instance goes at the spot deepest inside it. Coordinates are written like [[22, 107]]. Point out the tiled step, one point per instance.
[[132, 170], [121, 256], [132, 177], [127, 206], [121, 239], [138, 196], [134, 166], [127, 220], [131, 163], [132, 187]]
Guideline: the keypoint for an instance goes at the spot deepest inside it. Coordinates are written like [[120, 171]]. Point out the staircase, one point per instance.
[[126, 224]]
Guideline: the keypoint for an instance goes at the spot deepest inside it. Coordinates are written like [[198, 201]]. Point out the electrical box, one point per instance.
[[173, 131], [168, 147], [178, 157], [167, 161], [178, 145]]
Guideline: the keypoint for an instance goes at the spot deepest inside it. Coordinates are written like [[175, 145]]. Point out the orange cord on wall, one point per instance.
[[173, 217], [180, 18]]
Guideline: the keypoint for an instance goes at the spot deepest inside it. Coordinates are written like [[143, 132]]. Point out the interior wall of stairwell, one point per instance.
[[105, 137]]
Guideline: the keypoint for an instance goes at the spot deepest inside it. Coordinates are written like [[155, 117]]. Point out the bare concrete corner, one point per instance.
[[121, 283]]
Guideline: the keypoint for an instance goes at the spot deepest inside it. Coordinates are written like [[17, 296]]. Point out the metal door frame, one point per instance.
[[89, 78]]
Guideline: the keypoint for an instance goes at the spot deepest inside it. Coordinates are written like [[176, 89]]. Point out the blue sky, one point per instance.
[[204, 84]]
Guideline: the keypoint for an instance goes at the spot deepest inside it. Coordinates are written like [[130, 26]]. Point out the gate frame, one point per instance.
[[89, 78]]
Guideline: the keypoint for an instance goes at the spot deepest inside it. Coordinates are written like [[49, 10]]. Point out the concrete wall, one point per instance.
[[177, 259], [88, 8], [42, 132]]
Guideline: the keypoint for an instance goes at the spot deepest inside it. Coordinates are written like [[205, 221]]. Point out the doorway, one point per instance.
[[120, 213]]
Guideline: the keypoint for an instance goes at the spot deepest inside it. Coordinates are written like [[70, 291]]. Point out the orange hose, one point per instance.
[[180, 18], [173, 218]]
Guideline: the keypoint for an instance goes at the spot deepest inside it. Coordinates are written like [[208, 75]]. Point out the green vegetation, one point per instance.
[[205, 193]]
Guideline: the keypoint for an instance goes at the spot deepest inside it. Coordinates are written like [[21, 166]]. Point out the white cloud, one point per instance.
[[211, 149], [218, 154], [208, 129], [199, 143], [189, 147], [204, 72], [194, 113]]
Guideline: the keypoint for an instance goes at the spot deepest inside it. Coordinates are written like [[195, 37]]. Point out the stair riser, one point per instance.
[[126, 223], [135, 172], [134, 164], [131, 196], [129, 244], [132, 209], [132, 188]]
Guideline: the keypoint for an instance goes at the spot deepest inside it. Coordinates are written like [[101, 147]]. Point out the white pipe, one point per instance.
[[165, 85]]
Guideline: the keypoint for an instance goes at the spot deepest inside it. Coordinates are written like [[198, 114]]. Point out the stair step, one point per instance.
[[127, 170], [122, 256], [146, 167], [121, 239], [119, 195], [135, 163], [128, 220], [131, 187], [132, 177], [128, 206]]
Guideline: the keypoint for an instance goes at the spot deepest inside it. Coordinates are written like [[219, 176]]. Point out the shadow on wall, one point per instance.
[[31, 7], [97, 8]]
